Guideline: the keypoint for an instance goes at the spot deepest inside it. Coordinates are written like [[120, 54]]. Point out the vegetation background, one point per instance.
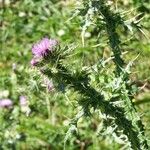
[[24, 22]]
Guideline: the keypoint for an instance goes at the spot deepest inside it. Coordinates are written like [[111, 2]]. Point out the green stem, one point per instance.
[[96, 100], [111, 21], [48, 108]]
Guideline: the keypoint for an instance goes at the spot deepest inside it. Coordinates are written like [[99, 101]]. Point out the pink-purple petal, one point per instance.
[[43, 47], [6, 103]]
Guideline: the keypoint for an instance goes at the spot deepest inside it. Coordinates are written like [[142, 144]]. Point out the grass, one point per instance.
[[22, 24]]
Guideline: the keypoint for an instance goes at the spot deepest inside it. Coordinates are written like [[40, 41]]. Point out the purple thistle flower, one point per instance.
[[43, 47], [23, 101], [34, 61], [5, 103], [49, 84], [24, 106]]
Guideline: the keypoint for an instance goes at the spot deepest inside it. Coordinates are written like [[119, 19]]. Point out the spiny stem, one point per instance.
[[111, 20], [96, 100]]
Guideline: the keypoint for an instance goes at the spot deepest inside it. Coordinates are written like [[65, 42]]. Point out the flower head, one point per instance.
[[23, 101], [6, 103], [35, 61], [43, 47], [24, 105], [49, 84]]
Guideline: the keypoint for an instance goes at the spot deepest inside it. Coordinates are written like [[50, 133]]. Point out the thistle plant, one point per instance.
[[99, 10], [114, 100]]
